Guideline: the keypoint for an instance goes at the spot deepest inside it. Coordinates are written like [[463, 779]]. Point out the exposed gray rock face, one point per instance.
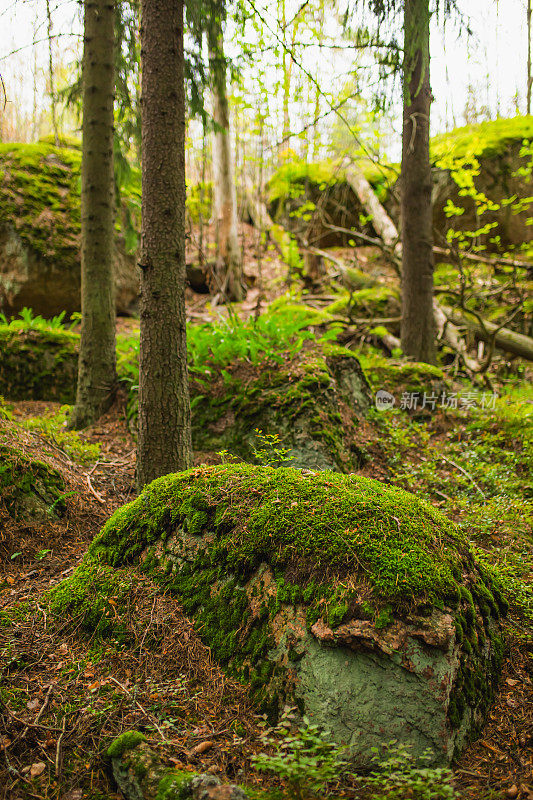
[[27, 279]]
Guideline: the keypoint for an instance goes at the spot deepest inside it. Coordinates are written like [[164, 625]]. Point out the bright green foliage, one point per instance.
[[306, 759], [398, 775]]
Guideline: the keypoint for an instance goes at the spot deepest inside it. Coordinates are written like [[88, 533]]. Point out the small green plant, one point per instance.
[[269, 452], [399, 775], [305, 757], [41, 554], [30, 322]]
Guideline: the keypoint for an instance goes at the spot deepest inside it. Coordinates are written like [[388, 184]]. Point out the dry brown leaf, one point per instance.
[[37, 769]]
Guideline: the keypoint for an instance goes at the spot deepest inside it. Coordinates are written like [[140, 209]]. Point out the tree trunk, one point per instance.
[[224, 191], [97, 361], [529, 76], [418, 327], [164, 441]]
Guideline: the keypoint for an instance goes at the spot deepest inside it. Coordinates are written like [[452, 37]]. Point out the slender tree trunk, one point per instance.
[[51, 74], [529, 76], [224, 191], [97, 372], [164, 443], [418, 327]]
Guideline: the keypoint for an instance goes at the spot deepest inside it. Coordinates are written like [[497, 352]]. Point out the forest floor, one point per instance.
[[65, 696]]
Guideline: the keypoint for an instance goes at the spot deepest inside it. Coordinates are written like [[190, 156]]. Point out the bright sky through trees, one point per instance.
[[498, 47]]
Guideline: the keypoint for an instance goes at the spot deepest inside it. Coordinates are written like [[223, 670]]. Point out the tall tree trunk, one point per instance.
[[97, 369], [418, 327], [51, 74], [164, 443], [529, 76], [224, 191]]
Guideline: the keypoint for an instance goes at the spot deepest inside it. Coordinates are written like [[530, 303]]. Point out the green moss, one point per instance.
[[373, 301], [29, 487], [38, 364], [126, 741], [483, 140], [175, 785], [384, 373], [323, 538], [291, 179]]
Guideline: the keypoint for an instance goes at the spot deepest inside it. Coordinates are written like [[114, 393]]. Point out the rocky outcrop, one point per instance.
[[40, 233], [353, 600], [30, 490]]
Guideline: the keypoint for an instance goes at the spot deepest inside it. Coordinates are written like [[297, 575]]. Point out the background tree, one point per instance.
[[97, 360], [229, 267], [164, 442], [418, 326]]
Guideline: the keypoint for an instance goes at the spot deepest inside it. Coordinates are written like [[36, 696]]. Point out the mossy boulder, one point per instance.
[[40, 232], [38, 364], [485, 171], [313, 402], [29, 488], [306, 198], [352, 599]]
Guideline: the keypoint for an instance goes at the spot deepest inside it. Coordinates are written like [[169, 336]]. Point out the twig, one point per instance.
[[92, 490], [58, 748], [465, 473], [144, 711], [39, 715]]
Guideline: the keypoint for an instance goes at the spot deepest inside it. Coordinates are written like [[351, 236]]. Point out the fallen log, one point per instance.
[[516, 343]]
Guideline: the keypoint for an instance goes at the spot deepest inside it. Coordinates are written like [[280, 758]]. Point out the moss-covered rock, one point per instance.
[[488, 160], [484, 172], [40, 232], [351, 598], [38, 364], [304, 197], [141, 775], [313, 402], [29, 488]]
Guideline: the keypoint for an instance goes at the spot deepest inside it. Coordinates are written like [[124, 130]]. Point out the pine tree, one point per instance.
[[418, 326], [164, 441], [97, 360]]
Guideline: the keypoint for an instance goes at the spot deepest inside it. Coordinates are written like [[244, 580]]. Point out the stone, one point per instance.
[[353, 600], [40, 233]]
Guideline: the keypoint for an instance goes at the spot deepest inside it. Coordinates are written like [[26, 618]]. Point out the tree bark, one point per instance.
[[164, 441], [224, 190], [418, 327], [529, 76], [97, 361]]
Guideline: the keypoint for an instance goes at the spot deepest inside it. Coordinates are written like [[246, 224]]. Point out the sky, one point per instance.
[[492, 61]]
